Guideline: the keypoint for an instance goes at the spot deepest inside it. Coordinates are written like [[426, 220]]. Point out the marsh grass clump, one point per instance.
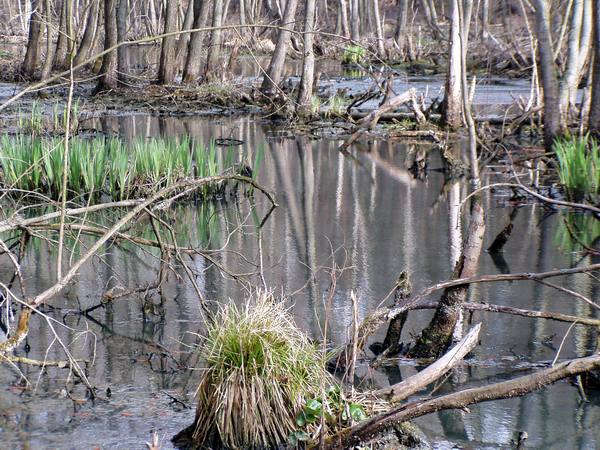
[[579, 166], [260, 371], [353, 54]]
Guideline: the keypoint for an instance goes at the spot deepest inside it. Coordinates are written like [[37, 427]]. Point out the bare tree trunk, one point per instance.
[[568, 87], [552, 120], [89, 35], [452, 103], [62, 43], [122, 15], [167, 68], [402, 19], [214, 46], [434, 339], [595, 102], [184, 39], [344, 18], [108, 71], [272, 78], [354, 21], [308, 62], [47, 68], [378, 29], [32, 54], [193, 66], [485, 19]]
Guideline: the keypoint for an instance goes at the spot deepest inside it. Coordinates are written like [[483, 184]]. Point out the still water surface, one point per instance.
[[369, 216]]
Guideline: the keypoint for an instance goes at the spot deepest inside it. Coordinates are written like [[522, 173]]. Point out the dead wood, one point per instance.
[[421, 380], [382, 315], [140, 206], [517, 387], [369, 122], [487, 307], [436, 337]]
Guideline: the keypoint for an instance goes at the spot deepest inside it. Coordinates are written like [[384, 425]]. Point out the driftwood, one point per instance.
[[408, 387], [367, 430], [369, 122]]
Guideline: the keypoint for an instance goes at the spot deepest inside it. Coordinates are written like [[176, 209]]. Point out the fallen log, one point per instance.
[[421, 380], [366, 430]]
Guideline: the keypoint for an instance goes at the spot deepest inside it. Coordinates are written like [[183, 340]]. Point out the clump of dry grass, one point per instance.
[[260, 371]]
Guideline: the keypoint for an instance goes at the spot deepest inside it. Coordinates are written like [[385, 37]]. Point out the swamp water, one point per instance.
[[369, 216]]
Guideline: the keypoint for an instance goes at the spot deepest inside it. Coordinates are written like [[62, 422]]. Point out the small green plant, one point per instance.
[[579, 166], [261, 370], [353, 54], [337, 106], [315, 105]]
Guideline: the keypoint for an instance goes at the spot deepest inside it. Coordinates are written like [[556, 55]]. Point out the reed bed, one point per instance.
[[100, 166]]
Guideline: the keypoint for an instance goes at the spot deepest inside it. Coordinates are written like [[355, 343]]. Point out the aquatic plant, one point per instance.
[[579, 166], [337, 105], [107, 166], [261, 371], [353, 54], [578, 232], [37, 123]]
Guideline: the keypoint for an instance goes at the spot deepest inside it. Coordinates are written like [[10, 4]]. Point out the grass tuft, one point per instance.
[[260, 371], [579, 166]]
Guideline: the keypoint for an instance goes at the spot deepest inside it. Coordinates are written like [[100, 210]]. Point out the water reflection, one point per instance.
[[372, 215]]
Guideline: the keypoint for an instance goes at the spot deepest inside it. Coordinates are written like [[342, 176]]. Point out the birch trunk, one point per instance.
[[452, 103], [303, 107]]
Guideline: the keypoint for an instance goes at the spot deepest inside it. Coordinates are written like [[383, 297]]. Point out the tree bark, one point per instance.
[[305, 92], [402, 19], [32, 54], [214, 47], [47, 68], [378, 29], [193, 66], [167, 68], [354, 21], [89, 35], [272, 78], [452, 104], [108, 70], [344, 18], [595, 102], [184, 39], [552, 119], [122, 14]]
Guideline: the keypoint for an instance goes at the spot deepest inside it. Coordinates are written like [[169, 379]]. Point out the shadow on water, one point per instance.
[[371, 215]]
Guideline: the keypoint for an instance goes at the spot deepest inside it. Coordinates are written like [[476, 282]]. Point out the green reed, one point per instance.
[[99, 166], [579, 166]]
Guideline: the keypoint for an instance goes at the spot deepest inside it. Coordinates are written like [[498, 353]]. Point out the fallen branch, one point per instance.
[[369, 122], [486, 307], [421, 380], [382, 315], [364, 431]]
